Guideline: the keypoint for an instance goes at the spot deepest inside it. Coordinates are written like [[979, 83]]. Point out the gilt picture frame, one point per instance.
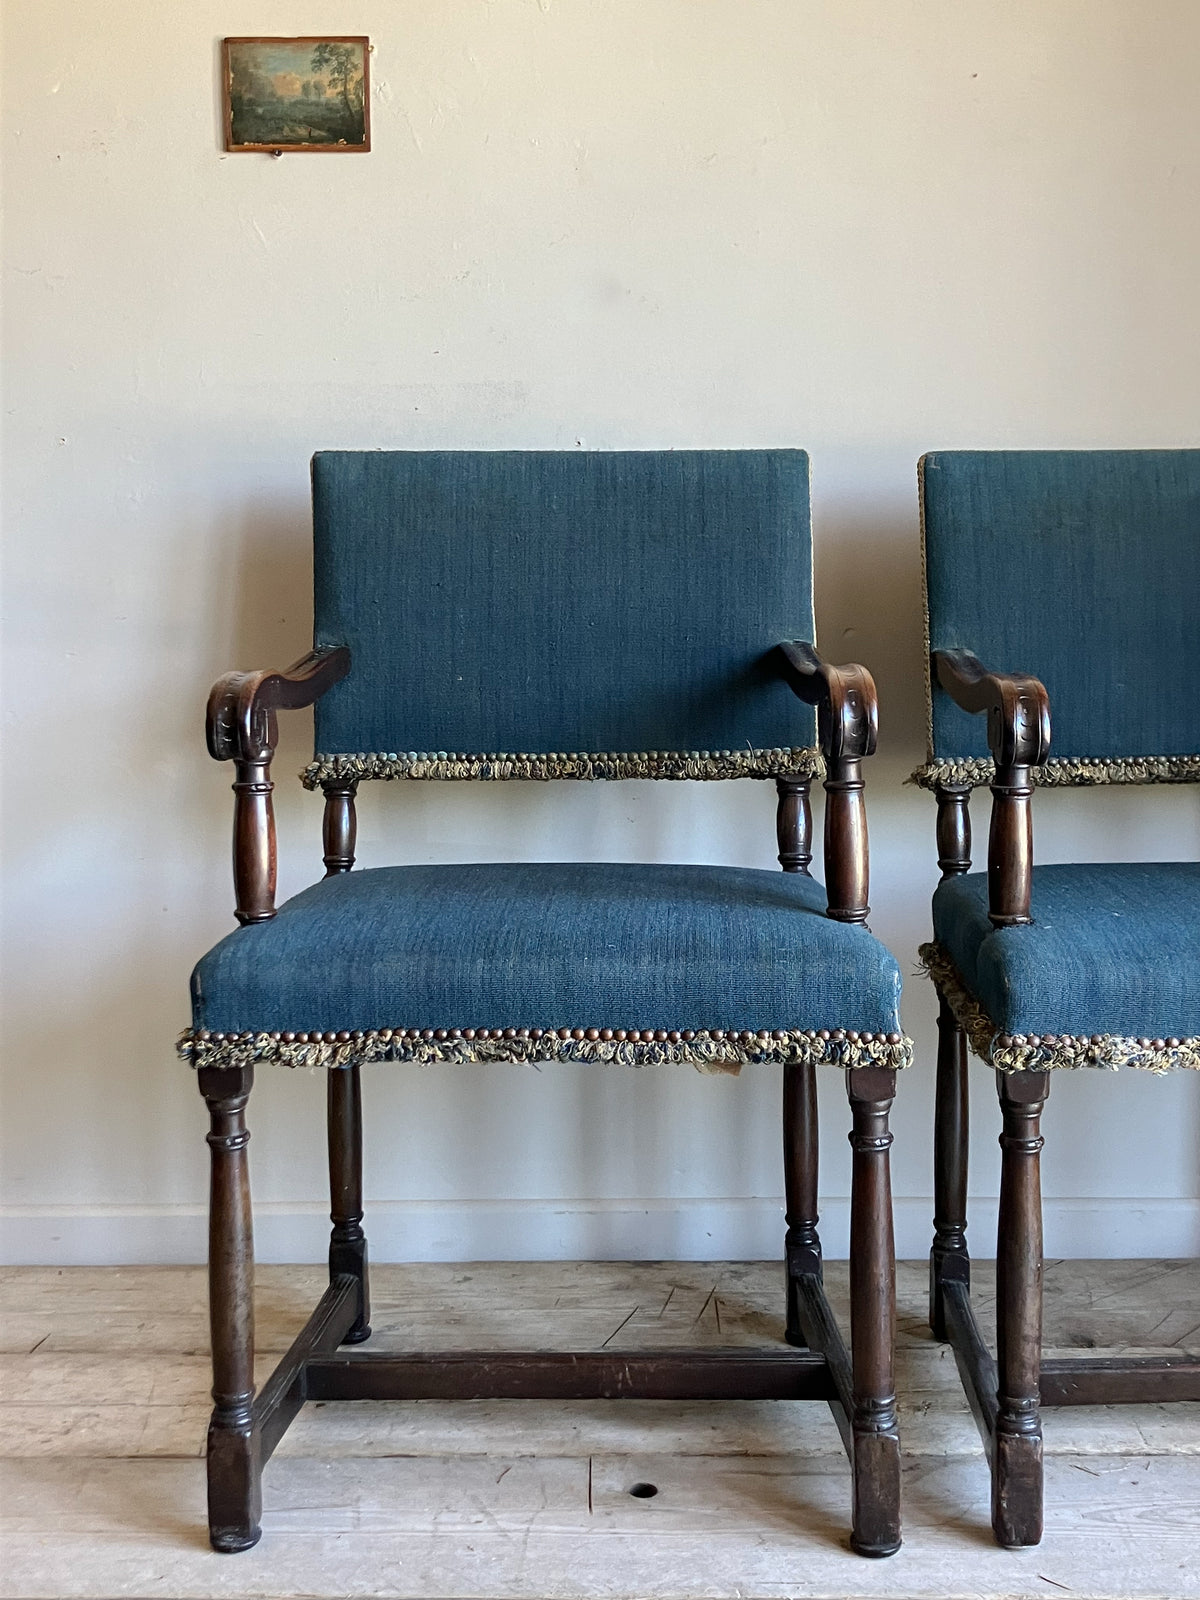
[[310, 93]]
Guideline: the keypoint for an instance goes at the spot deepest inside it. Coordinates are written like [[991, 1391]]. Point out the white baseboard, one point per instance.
[[536, 1230]]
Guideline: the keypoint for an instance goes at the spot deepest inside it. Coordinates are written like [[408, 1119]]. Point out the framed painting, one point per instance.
[[297, 94]]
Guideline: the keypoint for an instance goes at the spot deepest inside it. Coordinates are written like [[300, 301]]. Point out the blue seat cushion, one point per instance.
[[673, 949], [1113, 950]]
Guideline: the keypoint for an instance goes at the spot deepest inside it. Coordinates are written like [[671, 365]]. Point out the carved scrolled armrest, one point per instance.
[[848, 731], [241, 726], [1018, 733], [1017, 706], [845, 698]]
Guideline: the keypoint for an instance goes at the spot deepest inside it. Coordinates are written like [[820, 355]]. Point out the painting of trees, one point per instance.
[[297, 94], [341, 65]]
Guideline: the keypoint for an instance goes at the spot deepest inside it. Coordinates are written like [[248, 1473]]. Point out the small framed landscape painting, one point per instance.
[[297, 94]]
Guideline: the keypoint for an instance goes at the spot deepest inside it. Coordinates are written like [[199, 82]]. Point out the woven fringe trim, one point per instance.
[[708, 1050], [777, 763], [1021, 1052], [1079, 770]]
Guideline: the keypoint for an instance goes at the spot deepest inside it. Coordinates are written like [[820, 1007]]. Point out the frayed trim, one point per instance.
[[708, 1050], [975, 771], [1021, 1052], [796, 762]]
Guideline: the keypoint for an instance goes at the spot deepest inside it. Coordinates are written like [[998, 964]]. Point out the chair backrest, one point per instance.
[[1082, 568], [562, 614]]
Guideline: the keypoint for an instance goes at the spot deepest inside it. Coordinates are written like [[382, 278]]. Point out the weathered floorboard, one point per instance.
[[491, 1498]]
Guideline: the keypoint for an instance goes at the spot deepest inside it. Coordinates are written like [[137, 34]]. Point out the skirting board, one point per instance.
[[546, 1230]]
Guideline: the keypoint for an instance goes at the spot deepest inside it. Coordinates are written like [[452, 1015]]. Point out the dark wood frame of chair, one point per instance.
[[858, 1384], [1006, 1393]]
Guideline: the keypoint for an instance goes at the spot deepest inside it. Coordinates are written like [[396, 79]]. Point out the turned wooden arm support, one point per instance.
[[242, 727], [1018, 733], [848, 730]]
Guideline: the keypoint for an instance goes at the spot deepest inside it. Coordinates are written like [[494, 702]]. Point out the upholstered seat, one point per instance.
[[397, 951], [1113, 953]]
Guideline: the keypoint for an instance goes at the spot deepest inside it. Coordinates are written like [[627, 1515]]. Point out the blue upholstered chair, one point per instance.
[[1074, 576], [539, 615]]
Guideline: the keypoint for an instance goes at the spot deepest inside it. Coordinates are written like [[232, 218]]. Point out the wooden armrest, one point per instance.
[[848, 730], [1018, 732], [1017, 706], [845, 698], [241, 727]]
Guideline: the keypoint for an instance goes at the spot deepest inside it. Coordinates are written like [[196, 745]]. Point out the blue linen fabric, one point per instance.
[[1081, 567], [544, 946], [551, 601], [1113, 949]]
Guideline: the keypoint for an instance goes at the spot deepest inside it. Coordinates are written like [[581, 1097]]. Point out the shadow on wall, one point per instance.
[[869, 601]]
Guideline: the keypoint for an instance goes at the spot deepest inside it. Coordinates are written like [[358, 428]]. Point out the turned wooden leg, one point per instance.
[[876, 1464], [1017, 1450], [949, 1261], [800, 1175], [234, 1456], [347, 1241]]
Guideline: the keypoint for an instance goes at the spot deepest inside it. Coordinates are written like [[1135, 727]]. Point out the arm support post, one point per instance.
[[848, 729], [242, 727], [1018, 713]]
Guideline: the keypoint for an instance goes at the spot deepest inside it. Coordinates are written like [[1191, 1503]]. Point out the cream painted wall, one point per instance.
[[869, 227]]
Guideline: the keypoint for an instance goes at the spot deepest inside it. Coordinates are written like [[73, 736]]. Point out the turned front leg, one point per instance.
[[1017, 1449], [800, 1176], [347, 1241], [949, 1260], [234, 1456], [876, 1463]]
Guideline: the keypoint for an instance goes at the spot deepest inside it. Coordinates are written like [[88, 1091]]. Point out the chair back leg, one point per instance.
[[347, 1241], [801, 1171], [949, 1261]]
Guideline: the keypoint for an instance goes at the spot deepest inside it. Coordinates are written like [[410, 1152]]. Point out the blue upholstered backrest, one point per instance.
[[566, 602], [1081, 567]]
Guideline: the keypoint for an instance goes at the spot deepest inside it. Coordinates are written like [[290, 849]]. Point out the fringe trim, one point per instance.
[[710, 1050], [796, 762], [1021, 1052], [1085, 771]]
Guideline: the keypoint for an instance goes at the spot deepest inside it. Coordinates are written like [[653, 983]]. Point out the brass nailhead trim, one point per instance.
[[1045, 1052], [714, 1049]]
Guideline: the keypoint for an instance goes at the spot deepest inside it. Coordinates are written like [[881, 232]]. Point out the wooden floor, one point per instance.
[[104, 1406]]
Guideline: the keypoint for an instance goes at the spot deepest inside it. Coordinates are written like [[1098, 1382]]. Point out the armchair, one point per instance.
[[486, 617], [1041, 968]]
